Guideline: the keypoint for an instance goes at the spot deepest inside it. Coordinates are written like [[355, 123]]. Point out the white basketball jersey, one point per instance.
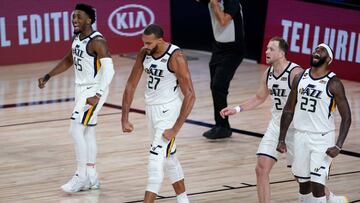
[[279, 89], [315, 104], [86, 65], [162, 85]]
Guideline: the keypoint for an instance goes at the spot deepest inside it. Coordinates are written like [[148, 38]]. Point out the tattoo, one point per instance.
[[336, 88], [288, 112]]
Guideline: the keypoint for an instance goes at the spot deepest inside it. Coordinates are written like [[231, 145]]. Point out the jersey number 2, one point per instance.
[[278, 104]]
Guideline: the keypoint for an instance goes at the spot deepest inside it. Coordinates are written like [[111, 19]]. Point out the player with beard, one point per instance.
[[167, 76], [317, 92], [94, 71]]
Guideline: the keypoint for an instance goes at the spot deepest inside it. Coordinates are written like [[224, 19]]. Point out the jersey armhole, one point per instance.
[[327, 86], [289, 83], [168, 61], [267, 75], [90, 39], [299, 79]]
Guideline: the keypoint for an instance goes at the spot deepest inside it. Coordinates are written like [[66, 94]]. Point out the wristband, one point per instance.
[[238, 109], [281, 141], [337, 147], [98, 95], [47, 77]]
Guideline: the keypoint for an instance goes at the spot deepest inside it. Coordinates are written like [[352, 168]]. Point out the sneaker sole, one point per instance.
[[68, 192]]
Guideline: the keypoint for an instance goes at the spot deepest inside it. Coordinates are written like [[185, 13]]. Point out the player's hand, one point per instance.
[[281, 147], [333, 151], [127, 127], [92, 100], [41, 82], [169, 134], [228, 111]]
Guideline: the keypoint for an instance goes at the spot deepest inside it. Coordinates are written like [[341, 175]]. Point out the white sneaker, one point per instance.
[[337, 199], [94, 182], [76, 184]]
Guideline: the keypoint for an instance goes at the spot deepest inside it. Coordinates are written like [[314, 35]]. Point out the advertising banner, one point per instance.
[[32, 31], [305, 25]]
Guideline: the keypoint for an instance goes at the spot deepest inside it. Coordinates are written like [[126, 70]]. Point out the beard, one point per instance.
[[153, 50], [317, 64]]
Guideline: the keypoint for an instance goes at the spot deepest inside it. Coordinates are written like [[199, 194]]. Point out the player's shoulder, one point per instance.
[[296, 69]]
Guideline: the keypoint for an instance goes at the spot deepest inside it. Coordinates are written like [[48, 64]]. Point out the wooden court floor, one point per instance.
[[37, 155]]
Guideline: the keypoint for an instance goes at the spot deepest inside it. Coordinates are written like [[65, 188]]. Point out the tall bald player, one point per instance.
[[167, 76]]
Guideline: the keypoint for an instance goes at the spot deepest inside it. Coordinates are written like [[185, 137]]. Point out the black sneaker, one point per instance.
[[219, 133], [209, 132]]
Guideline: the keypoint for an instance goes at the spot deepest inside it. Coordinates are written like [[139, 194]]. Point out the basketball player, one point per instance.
[[167, 75], [94, 70], [315, 94], [275, 82]]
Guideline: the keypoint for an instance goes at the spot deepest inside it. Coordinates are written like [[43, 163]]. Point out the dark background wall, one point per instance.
[[191, 26]]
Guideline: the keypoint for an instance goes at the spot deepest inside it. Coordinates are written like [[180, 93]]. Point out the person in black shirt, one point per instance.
[[227, 54]]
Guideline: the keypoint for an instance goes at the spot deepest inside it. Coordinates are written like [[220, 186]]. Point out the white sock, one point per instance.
[[90, 138], [318, 199], [305, 198], [77, 133], [91, 170], [182, 198]]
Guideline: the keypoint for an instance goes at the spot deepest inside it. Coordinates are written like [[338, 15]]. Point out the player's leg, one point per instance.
[[320, 163], [157, 155], [266, 159], [176, 175], [301, 165], [305, 194], [79, 180], [263, 167], [90, 138], [155, 172]]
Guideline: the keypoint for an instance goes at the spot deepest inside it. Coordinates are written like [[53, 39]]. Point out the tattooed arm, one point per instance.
[[288, 113], [336, 88]]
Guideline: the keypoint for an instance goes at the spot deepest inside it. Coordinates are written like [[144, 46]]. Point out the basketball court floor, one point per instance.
[[37, 153]]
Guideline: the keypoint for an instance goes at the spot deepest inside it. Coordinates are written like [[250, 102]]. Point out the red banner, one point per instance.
[[305, 25], [32, 31]]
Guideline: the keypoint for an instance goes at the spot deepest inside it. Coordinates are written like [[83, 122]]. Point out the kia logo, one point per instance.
[[130, 20]]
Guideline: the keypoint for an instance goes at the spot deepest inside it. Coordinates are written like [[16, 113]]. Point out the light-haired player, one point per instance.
[[94, 71], [316, 93], [167, 77]]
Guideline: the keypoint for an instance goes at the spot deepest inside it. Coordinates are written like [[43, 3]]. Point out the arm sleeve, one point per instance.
[[106, 74]]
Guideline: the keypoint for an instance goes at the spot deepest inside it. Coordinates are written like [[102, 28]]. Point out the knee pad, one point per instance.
[[155, 173], [173, 169]]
